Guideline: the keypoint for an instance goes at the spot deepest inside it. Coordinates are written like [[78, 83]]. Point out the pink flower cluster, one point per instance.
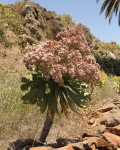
[[69, 55]]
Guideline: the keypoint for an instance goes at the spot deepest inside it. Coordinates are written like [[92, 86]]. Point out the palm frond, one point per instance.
[[119, 18], [110, 7], [116, 7], [104, 5]]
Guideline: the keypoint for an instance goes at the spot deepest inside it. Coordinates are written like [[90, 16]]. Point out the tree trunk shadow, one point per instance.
[[26, 144]]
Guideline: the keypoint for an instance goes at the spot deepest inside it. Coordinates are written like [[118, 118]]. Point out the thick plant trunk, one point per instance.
[[47, 125]]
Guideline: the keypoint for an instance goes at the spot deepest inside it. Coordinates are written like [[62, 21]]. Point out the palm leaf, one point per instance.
[[116, 7], [105, 4], [111, 7], [119, 18]]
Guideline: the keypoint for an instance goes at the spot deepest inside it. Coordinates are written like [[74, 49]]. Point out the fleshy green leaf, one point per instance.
[[44, 103], [56, 99], [25, 87], [31, 97], [73, 97], [63, 101], [25, 80]]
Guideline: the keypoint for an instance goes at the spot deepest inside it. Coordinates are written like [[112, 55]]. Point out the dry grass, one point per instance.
[[19, 121], [16, 119], [105, 92], [25, 121]]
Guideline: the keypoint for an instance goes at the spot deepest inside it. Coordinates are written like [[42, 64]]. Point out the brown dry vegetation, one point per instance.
[[20, 121]]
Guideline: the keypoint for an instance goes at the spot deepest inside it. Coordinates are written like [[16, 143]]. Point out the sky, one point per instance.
[[85, 11]]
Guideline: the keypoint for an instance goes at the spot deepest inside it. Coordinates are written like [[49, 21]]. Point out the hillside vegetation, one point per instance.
[[28, 23]]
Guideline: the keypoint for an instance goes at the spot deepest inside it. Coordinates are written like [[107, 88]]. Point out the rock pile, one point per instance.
[[41, 23], [103, 132]]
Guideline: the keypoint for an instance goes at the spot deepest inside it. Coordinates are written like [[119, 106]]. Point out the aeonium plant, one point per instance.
[[59, 72]]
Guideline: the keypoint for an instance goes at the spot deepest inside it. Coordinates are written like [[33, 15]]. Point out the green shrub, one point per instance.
[[22, 42], [67, 18], [18, 7], [113, 43], [15, 117], [2, 37]]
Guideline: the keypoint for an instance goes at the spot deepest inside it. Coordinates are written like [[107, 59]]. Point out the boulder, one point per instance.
[[107, 108], [65, 141], [111, 119], [41, 148], [108, 61], [66, 148], [113, 139], [41, 23], [97, 130], [79, 145], [114, 130], [101, 143], [91, 121], [93, 147], [116, 101], [98, 143], [118, 105]]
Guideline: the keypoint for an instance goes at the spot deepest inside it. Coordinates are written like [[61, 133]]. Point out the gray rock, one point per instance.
[[41, 23], [118, 105], [111, 119], [113, 139], [107, 108], [98, 130], [91, 121], [115, 130]]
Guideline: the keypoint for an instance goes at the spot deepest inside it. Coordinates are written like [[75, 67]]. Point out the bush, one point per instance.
[[67, 18], [108, 89], [18, 7], [113, 43], [2, 33]]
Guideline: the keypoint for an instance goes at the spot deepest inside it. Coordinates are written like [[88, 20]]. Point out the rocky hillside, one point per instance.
[[30, 22], [96, 128], [27, 23], [100, 132], [108, 56]]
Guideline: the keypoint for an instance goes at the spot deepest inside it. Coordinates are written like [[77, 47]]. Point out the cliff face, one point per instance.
[[27, 23], [41, 23], [30, 22]]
